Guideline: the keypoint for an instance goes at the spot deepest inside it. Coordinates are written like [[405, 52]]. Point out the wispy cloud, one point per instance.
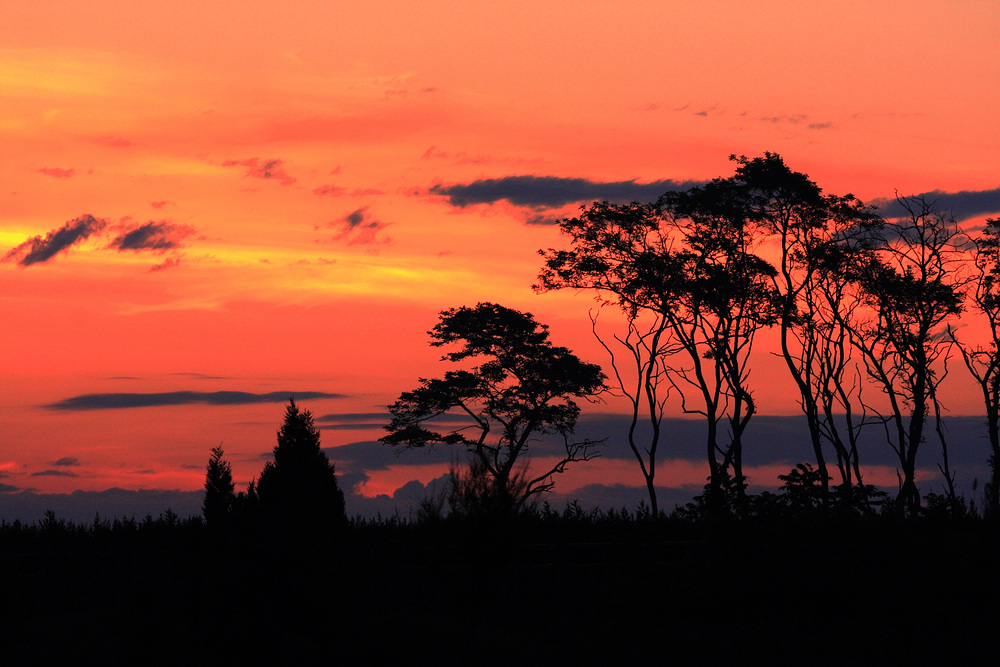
[[159, 236], [359, 227], [114, 401], [267, 169], [67, 461], [337, 191], [168, 263], [153, 236], [330, 191], [57, 172], [353, 420], [54, 473], [552, 191], [38, 250]]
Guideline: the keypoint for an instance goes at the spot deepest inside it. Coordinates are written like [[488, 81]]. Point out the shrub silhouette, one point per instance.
[[300, 485]]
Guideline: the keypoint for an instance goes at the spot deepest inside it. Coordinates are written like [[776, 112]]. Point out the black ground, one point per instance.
[[876, 593]]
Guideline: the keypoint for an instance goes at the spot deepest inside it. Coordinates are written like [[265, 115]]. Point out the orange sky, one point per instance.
[[287, 152]]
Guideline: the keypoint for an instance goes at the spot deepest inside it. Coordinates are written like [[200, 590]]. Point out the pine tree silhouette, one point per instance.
[[219, 496], [300, 485]]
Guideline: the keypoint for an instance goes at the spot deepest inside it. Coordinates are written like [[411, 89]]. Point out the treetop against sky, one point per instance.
[[206, 206]]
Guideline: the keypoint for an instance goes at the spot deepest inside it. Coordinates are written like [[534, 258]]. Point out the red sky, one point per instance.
[[286, 154]]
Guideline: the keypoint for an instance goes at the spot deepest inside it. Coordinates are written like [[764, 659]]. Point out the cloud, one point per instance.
[[168, 263], [371, 455], [70, 461], [330, 191], [54, 473], [794, 119], [820, 126], [359, 228], [963, 205], [353, 420], [37, 250], [541, 219], [56, 172], [337, 191], [115, 401], [159, 204], [82, 506], [266, 169], [159, 236], [552, 191]]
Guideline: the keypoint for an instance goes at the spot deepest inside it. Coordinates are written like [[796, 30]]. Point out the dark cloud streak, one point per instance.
[[963, 205], [67, 461], [37, 250], [266, 169], [553, 191], [359, 227], [160, 236], [116, 401]]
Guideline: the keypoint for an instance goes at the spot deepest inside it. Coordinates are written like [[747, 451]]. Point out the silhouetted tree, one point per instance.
[[723, 294], [615, 250], [300, 484], [810, 228], [219, 498], [523, 389], [688, 264], [911, 287], [983, 361]]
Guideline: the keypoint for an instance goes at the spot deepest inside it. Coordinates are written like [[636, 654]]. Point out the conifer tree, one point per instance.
[[219, 496], [300, 484]]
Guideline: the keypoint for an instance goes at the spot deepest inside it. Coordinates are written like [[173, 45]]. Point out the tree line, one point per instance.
[[864, 307]]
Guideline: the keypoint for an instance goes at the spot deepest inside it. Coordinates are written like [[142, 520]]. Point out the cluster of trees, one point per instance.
[[863, 306], [298, 488]]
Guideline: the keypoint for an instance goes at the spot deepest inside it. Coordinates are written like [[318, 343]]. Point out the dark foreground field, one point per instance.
[[867, 593]]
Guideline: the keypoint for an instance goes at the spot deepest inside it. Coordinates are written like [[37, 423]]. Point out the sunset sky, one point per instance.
[[278, 198]]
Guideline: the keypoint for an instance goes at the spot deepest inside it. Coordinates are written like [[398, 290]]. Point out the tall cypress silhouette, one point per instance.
[[219, 486], [300, 484]]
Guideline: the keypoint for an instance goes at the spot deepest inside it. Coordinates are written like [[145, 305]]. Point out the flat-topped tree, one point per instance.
[[523, 389]]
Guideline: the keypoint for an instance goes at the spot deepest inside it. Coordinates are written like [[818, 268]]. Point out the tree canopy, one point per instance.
[[523, 388]]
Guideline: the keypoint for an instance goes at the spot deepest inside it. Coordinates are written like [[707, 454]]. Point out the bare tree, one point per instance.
[[639, 370], [688, 264], [810, 229], [617, 250], [983, 361], [723, 294], [911, 287]]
